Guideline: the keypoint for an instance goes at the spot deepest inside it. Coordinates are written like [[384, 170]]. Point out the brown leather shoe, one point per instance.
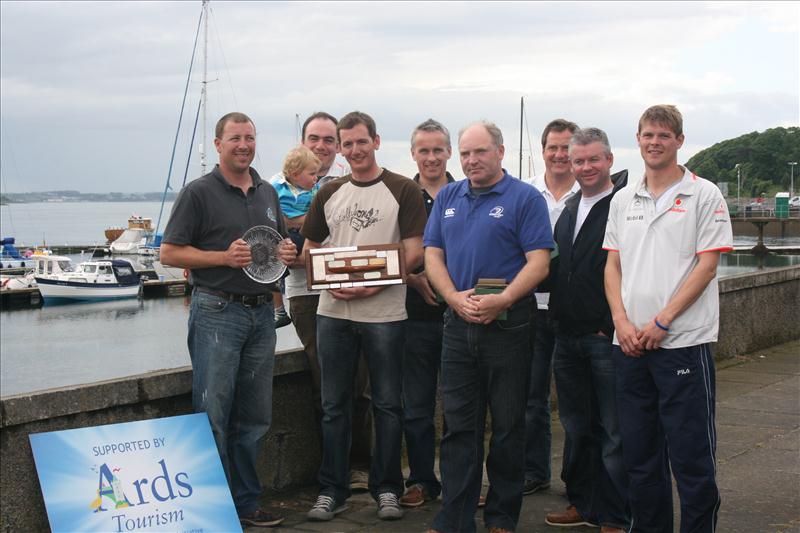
[[569, 518], [609, 529], [499, 530], [415, 496]]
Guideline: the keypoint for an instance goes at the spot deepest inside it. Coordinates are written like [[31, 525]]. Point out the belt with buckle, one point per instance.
[[248, 300]]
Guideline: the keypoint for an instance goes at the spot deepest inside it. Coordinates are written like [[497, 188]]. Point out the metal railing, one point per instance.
[[759, 208]]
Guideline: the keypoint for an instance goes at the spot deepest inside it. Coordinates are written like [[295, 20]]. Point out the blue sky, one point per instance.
[[90, 91]]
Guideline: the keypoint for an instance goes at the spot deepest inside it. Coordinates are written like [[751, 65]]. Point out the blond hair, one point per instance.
[[298, 159]]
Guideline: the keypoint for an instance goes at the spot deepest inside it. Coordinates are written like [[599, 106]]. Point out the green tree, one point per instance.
[[763, 158]]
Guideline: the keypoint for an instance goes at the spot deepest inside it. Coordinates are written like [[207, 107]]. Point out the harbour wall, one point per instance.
[[757, 310], [293, 444], [782, 228]]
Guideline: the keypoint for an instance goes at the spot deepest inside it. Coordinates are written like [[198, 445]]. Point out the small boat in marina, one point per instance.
[[130, 241], [103, 279], [10, 256], [134, 222]]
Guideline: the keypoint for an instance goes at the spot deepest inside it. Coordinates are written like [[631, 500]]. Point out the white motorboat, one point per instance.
[[135, 221], [104, 279], [130, 241], [148, 250]]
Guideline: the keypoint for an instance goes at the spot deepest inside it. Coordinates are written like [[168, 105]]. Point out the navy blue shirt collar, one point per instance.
[[498, 188]]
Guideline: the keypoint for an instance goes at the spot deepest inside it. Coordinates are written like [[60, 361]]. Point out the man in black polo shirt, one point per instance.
[[231, 322], [422, 352]]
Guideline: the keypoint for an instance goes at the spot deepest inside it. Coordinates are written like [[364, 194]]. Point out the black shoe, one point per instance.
[[532, 485], [261, 518], [325, 508], [281, 318]]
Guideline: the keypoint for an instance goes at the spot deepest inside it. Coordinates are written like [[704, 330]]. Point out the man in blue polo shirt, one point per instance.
[[490, 225]]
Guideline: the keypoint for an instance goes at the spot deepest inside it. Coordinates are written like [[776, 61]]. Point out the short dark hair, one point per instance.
[[353, 119], [431, 126], [239, 118], [665, 115], [558, 125], [315, 116]]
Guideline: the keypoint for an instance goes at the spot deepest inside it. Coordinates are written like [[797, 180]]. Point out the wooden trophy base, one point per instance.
[[355, 266]]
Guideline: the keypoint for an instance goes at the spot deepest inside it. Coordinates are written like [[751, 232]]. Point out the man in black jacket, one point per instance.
[[582, 365]]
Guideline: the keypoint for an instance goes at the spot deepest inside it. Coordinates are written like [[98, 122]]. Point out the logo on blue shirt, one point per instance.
[[496, 212], [449, 212]]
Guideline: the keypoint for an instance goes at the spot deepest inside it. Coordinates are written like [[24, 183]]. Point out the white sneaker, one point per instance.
[[389, 506], [325, 509]]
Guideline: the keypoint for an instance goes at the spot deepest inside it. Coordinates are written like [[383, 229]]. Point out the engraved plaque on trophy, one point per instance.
[[355, 266]]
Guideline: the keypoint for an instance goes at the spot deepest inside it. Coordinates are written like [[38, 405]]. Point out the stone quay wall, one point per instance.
[[292, 445], [782, 228], [757, 310]]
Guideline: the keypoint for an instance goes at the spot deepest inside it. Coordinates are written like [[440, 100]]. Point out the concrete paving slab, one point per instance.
[[744, 375], [787, 441], [735, 440], [788, 349], [732, 389], [752, 509], [784, 365], [739, 518], [727, 415], [774, 400], [761, 463]]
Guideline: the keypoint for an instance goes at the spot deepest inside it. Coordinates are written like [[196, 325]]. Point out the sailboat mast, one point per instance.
[[203, 93], [521, 114]]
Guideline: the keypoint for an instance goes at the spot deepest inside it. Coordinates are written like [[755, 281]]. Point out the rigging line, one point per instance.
[[16, 169], [180, 120], [532, 171], [521, 111], [191, 143], [224, 60], [228, 72]]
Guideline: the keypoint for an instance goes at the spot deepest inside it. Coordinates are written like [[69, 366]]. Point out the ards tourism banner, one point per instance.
[[152, 475]]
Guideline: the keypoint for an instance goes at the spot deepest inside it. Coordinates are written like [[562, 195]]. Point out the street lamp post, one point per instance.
[[791, 182], [738, 168]]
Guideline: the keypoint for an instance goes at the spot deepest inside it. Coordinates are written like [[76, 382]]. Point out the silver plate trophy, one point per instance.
[[265, 266]]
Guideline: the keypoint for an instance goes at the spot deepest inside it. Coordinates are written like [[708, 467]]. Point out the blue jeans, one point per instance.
[[483, 365], [594, 471], [537, 413], [232, 348], [421, 361], [339, 345]]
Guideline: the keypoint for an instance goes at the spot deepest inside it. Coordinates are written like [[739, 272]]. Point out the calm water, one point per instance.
[[73, 223], [739, 263], [60, 345], [66, 345]]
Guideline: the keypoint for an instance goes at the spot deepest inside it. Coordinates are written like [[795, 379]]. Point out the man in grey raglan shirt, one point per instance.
[[318, 134]]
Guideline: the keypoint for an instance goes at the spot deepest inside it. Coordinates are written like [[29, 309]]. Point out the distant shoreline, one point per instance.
[[60, 197]]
